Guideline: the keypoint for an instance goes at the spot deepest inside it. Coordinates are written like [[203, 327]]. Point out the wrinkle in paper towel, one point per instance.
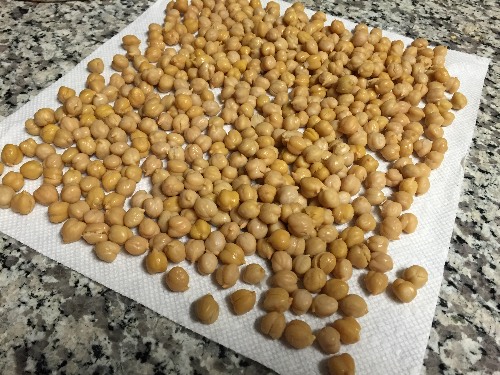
[[394, 336]]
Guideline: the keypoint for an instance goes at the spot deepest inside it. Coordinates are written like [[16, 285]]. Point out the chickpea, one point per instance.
[[58, 212], [273, 324], [136, 245], [353, 305], [404, 290], [194, 250], [285, 279], [14, 180], [343, 270], [177, 279], [22, 203], [106, 251], [95, 232], [119, 234], [298, 334], [417, 275], [349, 329], [314, 279], [409, 222], [178, 226], [338, 248], [300, 225], [156, 262], [253, 273], [242, 301], [71, 193], [458, 100], [114, 216], [336, 288], [376, 282], [232, 254], [11, 155], [207, 309], [6, 195], [31, 170], [341, 364], [227, 275], [175, 251], [72, 230], [328, 340], [391, 228], [95, 66], [323, 305], [325, 261], [276, 299]]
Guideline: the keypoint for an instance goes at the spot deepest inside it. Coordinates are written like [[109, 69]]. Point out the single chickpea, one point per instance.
[[323, 305], [6, 195], [276, 299], [14, 180], [314, 279], [328, 340], [177, 279], [207, 309], [242, 301], [391, 228], [156, 262], [336, 288], [458, 100], [11, 155], [273, 324], [349, 330], [404, 290], [253, 273], [298, 334], [417, 275], [95, 66], [175, 251], [107, 251], [72, 230], [227, 275], [136, 245], [343, 270], [341, 364]]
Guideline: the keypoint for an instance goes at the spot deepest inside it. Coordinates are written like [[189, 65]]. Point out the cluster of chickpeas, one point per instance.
[[275, 165]]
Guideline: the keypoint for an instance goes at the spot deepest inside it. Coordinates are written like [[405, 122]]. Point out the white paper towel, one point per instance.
[[394, 336]]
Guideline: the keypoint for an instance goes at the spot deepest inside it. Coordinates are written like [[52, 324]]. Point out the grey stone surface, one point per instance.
[[54, 320]]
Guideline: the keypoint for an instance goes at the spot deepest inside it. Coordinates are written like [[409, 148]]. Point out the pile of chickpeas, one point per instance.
[[287, 162]]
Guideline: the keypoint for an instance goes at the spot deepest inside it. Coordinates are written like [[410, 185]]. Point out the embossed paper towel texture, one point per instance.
[[394, 336]]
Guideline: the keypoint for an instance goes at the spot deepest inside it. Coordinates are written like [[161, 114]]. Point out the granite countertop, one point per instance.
[[56, 320]]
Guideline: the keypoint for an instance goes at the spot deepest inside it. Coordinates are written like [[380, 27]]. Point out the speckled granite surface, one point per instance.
[[55, 320]]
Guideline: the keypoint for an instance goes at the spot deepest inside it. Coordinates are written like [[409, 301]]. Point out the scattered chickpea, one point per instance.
[[341, 364], [273, 324], [376, 282], [6, 195], [417, 275], [11, 155], [207, 309], [253, 273], [298, 334], [177, 279], [156, 262], [353, 305], [349, 329], [107, 251], [242, 301], [404, 290], [328, 340]]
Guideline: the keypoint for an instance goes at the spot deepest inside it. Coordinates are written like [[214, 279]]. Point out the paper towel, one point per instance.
[[394, 336]]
